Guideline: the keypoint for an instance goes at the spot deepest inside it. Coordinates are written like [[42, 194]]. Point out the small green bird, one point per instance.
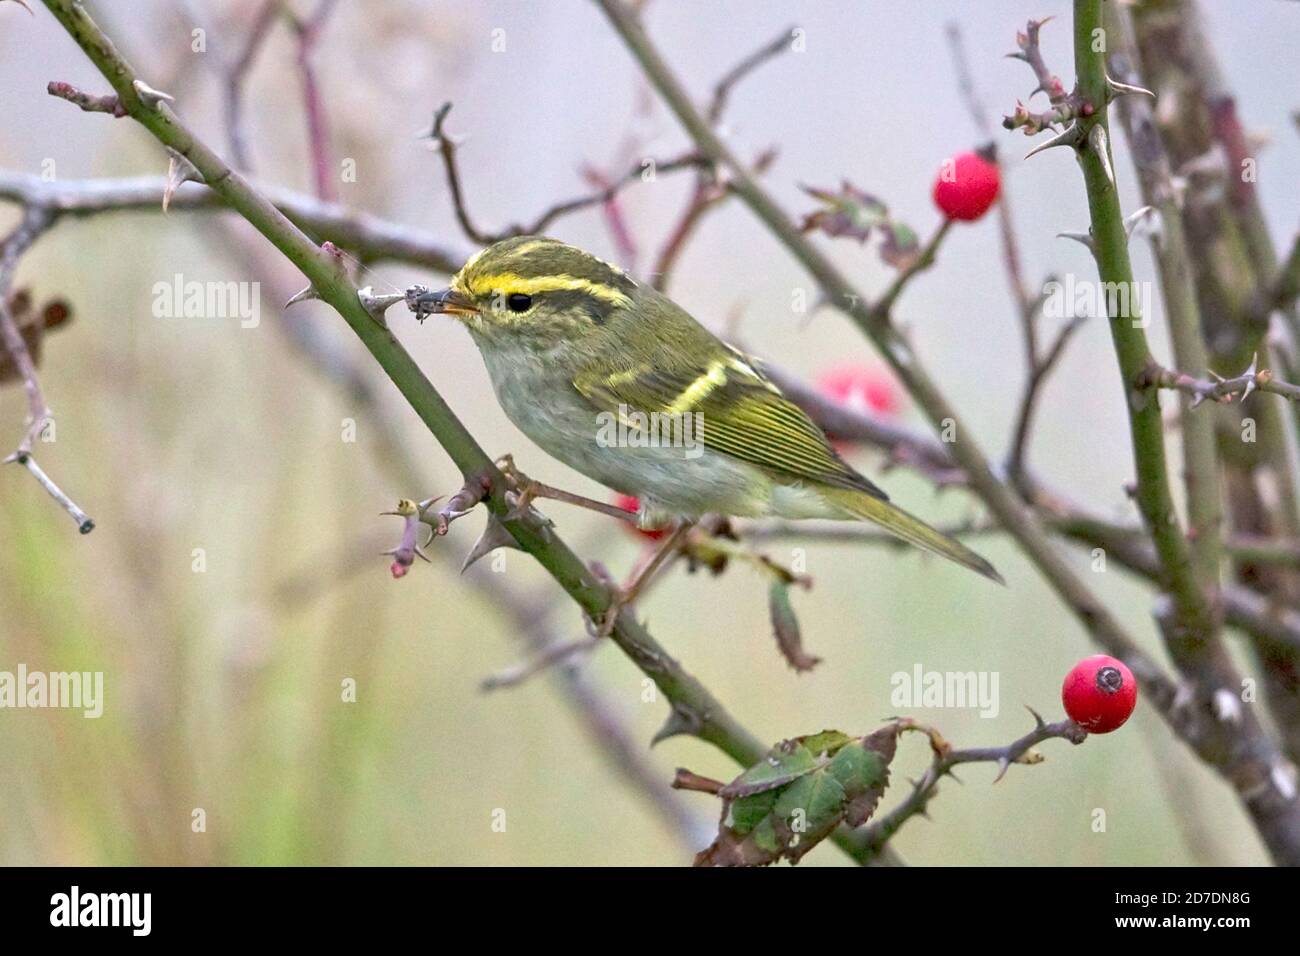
[[618, 382]]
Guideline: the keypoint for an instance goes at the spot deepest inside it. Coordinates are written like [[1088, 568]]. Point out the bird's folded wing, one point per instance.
[[742, 414]]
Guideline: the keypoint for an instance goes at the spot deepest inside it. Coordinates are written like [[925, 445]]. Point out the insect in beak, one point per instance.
[[424, 302]]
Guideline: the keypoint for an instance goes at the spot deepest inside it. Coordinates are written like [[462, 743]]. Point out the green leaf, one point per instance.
[[795, 797], [785, 762], [747, 812], [809, 809], [826, 742]]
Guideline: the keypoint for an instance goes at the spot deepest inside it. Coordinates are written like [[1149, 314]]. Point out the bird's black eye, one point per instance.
[[518, 302]]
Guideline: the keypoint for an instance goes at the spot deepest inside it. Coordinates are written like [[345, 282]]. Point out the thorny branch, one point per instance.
[[946, 758], [1219, 389], [970, 464], [35, 221], [874, 322], [694, 710], [1188, 614], [1029, 305], [1242, 752], [528, 617]]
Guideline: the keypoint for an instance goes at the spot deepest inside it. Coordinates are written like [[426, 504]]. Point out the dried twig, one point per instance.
[[35, 221], [371, 238], [1040, 368], [447, 144], [308, 30], [236, 75], [723, 88]]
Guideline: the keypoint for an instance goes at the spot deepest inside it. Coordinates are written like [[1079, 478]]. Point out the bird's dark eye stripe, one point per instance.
[[519, 302]]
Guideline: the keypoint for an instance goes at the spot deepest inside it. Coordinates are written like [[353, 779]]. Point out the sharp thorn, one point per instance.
[[1115, 89], [149, 96], [1132, 220], [676, 725], [1003, 765], [1080, 237], [307, 293], [377, 304], [1066, 137], [494, 536], [1039, 723], [179, 171], [1101, 146]]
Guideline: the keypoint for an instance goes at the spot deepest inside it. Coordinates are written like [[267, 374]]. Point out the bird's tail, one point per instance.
[[911, 529]]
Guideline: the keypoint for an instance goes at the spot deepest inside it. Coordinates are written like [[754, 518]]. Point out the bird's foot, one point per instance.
[[525, 490]]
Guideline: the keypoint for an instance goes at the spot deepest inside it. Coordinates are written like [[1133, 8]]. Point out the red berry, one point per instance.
[[967, 186], [861, 388], [1099, 694], [633, 505]]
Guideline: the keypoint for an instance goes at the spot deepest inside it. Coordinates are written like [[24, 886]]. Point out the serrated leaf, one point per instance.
[[808, 810], [865, 774], [787, 761], [786, 627], [798, 794]]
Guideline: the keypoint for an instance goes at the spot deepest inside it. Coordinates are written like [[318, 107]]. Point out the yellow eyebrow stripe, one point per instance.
[[699, 389], [510, 283]]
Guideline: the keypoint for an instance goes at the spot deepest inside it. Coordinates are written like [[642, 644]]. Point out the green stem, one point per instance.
[[1196, 624], [1182, 311], [1248, 758]]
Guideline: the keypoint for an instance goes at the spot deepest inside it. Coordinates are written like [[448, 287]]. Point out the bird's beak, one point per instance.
[[446, 301]]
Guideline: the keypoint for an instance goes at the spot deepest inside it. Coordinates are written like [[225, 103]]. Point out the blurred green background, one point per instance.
[[223, 687]]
